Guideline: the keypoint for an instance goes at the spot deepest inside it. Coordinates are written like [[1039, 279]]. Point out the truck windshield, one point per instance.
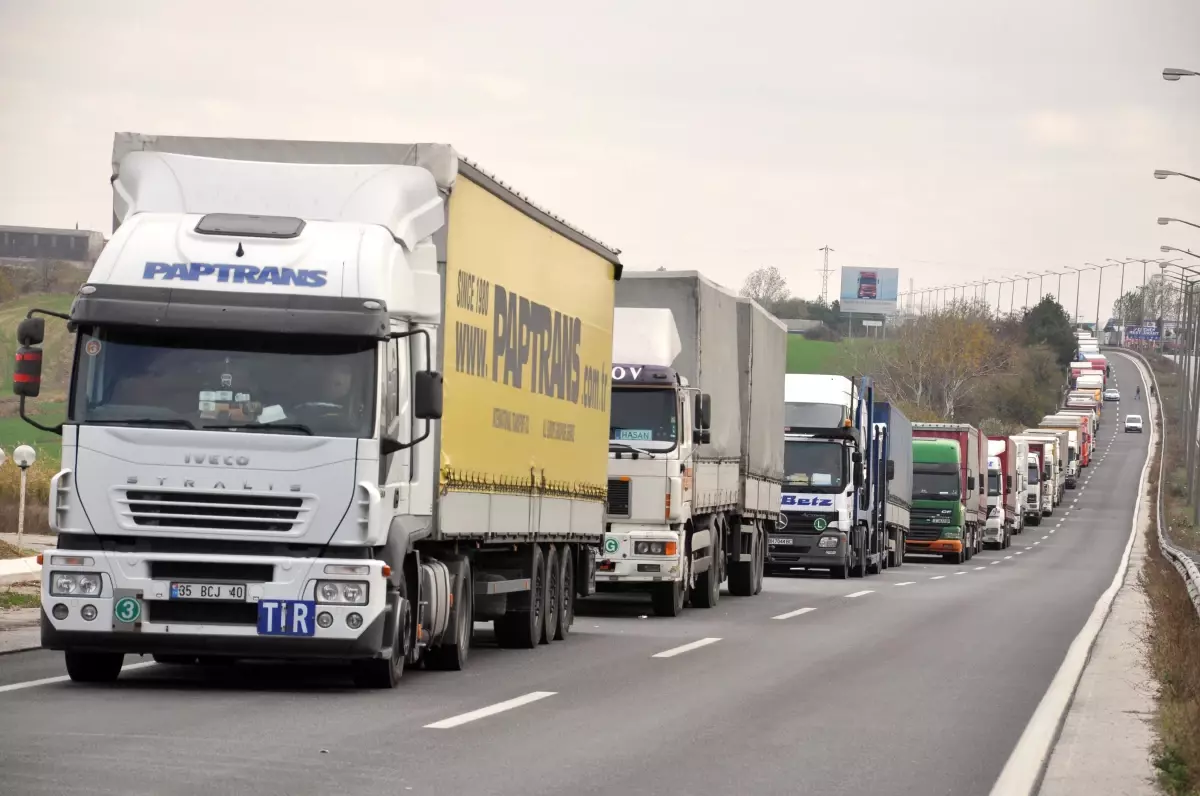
[[1033, 475], [819, 466], [936, 486], [271, 383], [641, 415], [993, 483]]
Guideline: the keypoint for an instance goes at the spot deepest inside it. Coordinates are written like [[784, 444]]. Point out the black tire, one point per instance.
[[708, 584], [521, 627], [451, 655], [952, 558], [858, 569], [94, 667], [667, 598], [876, 567], [387, 672], [552, 591], [175, 660], [842, 571], [760, 561], [566, 582], [743, 574]]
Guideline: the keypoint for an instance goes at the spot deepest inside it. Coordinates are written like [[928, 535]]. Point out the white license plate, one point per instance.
[[208, 591], [782, 540]]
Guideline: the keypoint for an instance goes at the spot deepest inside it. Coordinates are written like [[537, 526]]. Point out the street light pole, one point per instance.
[[1099, 287], [1162, 174], [1078, 279]]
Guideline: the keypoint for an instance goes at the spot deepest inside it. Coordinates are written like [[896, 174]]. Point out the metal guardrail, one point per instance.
[[1177, 556]]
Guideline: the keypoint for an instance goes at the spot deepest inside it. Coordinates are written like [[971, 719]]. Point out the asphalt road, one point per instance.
[[918, 681]]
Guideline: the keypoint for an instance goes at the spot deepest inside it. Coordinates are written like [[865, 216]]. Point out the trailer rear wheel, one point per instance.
[[566, 582], [553, 595], [521, 627], [451, 655], [94, 667], [667, 598]]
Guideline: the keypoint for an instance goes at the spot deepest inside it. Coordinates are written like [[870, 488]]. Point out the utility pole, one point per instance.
[[825, 276]]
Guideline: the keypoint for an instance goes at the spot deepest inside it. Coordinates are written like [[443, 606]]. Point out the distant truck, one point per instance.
[[1042, 448], [1058, 455], [949, 490], [868, 285], [831, 468], [1078, 441], [333, 401], [696, 451], [1005, 489], [894, 433]]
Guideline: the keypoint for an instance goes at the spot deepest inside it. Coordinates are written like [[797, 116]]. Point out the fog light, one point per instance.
[[324, 619], [354, 621], [88, 612], [60, 611]]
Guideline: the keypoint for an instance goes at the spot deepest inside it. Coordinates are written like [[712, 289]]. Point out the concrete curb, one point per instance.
[[19, 570]]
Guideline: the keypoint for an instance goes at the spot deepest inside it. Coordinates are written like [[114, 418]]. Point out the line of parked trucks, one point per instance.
[[344, 401]]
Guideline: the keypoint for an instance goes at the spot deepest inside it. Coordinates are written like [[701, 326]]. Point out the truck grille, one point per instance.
[[802, 521], [223, 511], [924, 533], [618, 497], [927, 516]]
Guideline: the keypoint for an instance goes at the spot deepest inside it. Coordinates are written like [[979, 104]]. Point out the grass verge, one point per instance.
[[13, 598], [1173, 632]]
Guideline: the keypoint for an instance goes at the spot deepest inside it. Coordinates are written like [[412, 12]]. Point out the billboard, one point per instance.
[[869, 291], [1149, 332]]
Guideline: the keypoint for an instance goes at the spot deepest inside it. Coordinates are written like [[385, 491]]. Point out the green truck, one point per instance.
[[938, 516]]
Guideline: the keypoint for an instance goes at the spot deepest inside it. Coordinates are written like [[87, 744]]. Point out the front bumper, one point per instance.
[[616, 562], [217, 627], [936, 546], [804, 549], [993, 529]]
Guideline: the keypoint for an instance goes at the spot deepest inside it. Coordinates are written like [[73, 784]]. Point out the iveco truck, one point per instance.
[[328, 401], [695, 455]]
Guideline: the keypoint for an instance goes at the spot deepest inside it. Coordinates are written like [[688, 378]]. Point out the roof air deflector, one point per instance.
[[238, 225]]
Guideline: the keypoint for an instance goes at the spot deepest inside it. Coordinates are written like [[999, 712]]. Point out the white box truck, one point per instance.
[[695, 450], [259, 461]]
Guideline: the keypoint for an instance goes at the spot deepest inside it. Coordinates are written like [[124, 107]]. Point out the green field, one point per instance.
[[14, 431], [815, 356]]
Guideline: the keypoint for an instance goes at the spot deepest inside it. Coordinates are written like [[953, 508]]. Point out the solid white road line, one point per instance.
[[671, 653], [797, 612], [937, 577], [63, 678], [490, 710], [906, 583], [861, 593], [1023, 772]]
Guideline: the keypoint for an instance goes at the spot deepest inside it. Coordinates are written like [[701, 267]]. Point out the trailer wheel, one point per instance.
[[94, 667], [451, 655], [553, 595], [521, 627], [566, 584], [667, 598], [386, 672]]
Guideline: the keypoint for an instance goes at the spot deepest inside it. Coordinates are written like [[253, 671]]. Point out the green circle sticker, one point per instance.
[[820, 524], [127, 609], [611, 545]]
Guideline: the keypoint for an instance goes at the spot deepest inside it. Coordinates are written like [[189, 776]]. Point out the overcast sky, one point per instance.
[[953, 140]]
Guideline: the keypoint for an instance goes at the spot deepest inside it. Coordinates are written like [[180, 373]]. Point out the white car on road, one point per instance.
[[1112, 394], [1133, 423]]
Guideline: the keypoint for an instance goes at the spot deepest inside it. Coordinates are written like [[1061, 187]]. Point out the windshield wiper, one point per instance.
[[630, 448], [169, 422], [303, 429]]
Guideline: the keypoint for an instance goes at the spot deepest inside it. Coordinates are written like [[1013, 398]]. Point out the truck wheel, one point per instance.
[[94, 667], [667, 598], [708, 584], [876, 567], [760, 562], [521, 628], [566, 583], [859, 568], [553, 591], [743, 574], [386, 672], [842, 571], [451, 655]]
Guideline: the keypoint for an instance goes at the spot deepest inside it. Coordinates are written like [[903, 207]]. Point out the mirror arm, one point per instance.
[[428, 367], [51, 429]]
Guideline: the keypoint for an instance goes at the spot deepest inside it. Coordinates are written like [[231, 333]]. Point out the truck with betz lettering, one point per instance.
[[328, 402], [694, 465]]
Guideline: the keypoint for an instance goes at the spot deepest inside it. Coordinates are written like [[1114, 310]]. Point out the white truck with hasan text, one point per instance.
[[695, 457], [257, 461]]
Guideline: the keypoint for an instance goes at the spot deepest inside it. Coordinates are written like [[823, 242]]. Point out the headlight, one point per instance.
[[828, 541], [337, 592], [952, 533], [654, 548], [75, 584]]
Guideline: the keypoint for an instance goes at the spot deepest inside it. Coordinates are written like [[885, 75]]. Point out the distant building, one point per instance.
[[44, 243], [800, 325]]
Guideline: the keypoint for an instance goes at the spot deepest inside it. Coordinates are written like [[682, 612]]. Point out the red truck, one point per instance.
[[868, 282], [973, 449]]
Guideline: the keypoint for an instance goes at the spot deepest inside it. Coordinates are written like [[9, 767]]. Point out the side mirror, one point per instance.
[[427, 395], [891, 470], [1008, 482], [856, 457], [27, 370], [31, 331], [703, 411], [701, 436], [858, 474], [970, 483]]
